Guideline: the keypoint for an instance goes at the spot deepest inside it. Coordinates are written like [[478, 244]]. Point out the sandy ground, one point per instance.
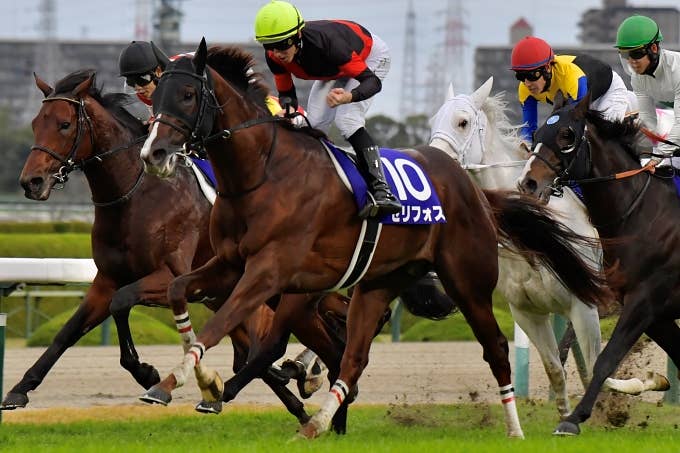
[[401, 373]]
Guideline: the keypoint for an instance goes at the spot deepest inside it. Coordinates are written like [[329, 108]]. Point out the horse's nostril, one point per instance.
[[158, 154], [530, 186]]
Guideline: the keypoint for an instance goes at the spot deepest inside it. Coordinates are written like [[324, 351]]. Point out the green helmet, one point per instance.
[[276, 21], [637, 31]]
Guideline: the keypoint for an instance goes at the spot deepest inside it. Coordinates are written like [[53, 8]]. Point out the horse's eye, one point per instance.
[[462, 123], [188, 95], [65, 125]]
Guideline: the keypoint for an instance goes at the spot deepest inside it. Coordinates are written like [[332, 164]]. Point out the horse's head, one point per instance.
[[184, 108], [459, 126], [560, 151], [63, 134]]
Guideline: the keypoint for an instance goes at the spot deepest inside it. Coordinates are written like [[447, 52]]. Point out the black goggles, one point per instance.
[[281, 45], [635, 54], [139, 80], [531, 76]]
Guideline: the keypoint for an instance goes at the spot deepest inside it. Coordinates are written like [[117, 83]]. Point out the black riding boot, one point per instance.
[[380, 200]]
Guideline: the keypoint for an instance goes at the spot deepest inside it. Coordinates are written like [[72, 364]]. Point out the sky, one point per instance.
[[487, 22]]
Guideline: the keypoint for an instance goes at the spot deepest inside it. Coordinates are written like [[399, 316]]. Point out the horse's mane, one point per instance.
[[114, 103], [237, 66], [496, 108], [625, 133]]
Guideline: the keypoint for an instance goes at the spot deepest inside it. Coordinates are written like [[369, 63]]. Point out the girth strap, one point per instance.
[[363, 254]]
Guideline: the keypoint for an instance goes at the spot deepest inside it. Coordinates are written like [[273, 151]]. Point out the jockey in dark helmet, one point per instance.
[[142, 64], [348, 64]]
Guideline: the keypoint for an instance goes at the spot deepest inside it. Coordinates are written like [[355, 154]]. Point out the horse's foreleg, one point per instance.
[[365, 312], [632, 323], [92, 311], [214, 279], [152, 290], [586, 323]]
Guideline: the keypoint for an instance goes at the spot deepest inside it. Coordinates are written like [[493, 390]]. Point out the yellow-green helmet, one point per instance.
[[637, 31], [276, 21]]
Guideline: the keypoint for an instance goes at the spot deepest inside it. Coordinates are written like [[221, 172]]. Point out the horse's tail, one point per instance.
[[529, 228]]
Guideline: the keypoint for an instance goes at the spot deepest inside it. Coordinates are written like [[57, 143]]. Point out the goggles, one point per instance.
[[141, 80], [531, 76], [281, 45], [635, 54]]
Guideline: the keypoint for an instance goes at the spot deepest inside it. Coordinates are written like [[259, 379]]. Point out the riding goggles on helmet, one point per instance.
[[281, 45], [531, 76], [141, 80], [635, 54]]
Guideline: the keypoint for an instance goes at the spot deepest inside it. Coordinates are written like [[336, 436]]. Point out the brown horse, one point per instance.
[[636, 212], [284, 222], [146, 232]]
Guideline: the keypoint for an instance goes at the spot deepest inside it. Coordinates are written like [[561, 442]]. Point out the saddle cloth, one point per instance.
[[407, 179], [204, 176]]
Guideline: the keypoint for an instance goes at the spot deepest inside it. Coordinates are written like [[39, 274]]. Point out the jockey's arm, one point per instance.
[[530, 119]]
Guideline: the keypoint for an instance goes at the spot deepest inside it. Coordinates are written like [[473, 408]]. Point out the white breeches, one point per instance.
[[348, 117]]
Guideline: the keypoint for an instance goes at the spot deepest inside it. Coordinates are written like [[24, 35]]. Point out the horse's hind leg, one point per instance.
[[540, 332], [469, 279], [365, 312], [586, 323], [92, 311]]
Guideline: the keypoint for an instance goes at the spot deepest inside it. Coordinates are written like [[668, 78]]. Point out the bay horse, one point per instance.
[[474, 129], [284, 222], [636, 212], [146, 232]]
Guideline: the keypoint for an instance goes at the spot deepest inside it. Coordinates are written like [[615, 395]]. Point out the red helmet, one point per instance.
[[531, 53]]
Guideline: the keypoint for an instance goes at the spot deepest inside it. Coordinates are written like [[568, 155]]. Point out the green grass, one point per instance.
[[47, 245], [145, 330], [477, 428]]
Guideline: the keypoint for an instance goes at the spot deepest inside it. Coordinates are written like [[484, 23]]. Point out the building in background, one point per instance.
[[520, 29]]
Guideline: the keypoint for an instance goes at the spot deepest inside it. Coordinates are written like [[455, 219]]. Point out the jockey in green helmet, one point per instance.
[[654, 73]]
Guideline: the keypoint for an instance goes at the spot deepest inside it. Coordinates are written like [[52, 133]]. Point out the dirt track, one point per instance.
[[398, 373]]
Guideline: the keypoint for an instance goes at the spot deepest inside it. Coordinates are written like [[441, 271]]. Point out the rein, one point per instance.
[[69, 163], [197, 142]]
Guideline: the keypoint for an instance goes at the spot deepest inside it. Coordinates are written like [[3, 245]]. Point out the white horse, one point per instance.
[[475, 130]]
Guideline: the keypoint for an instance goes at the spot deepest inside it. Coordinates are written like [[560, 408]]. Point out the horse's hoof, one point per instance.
[[156, 395], [566, 428], [209, 407], [213, 391], [14, 401], [308, 431], [659, 381], [148, 376]]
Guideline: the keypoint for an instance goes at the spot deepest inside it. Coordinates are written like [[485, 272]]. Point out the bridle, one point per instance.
[[198, 135], [478, 125], [70, 162], [562, 179]]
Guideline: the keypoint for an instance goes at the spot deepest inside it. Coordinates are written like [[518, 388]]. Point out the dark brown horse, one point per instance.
[[146, 232], [636, 213], [284, 222]]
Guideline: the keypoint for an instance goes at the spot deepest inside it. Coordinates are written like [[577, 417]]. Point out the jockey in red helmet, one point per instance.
[[541, 74]]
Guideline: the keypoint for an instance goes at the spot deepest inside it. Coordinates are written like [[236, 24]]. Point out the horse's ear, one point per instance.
[[162, 58], [201, 57], [83, 87], [449, 93], [42, 85], [483, 92], [582, 106], [559, 101]]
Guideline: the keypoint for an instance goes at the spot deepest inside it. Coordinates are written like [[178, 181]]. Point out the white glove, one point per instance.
[[298, 121]]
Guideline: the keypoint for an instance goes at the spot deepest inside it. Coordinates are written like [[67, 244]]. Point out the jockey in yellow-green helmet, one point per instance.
[[655, 73], [348, 64]]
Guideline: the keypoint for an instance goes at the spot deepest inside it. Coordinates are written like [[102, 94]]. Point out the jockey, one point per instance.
[[654, 73], [348, 64], [542, 73], [142, 64]]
